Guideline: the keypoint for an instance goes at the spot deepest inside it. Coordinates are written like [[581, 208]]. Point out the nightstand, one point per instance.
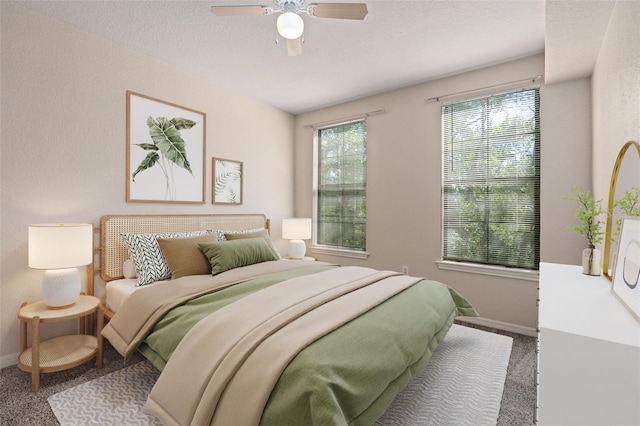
[[58, 353]]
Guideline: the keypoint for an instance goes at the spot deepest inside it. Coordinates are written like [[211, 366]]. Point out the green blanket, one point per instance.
[[349, 376], [353, 374]]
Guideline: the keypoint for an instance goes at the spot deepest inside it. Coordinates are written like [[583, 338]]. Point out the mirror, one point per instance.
[[625, 176]]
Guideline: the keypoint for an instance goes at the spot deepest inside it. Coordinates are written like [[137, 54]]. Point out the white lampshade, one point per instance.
[[296, 230], [60, 248], [290, 25]]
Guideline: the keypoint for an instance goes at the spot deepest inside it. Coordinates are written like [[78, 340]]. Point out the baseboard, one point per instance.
[[505, 326], [8, 360]]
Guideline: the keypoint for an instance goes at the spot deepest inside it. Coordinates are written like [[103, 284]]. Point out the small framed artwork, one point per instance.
[[227, 181], [165, 151], [627, 267]]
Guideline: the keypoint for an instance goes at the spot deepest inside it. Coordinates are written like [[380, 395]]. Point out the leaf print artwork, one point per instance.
[[166, 147], [227, 181], [167, 150]]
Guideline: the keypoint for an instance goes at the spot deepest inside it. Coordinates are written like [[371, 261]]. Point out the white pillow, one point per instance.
[[129, 269], [144, 251]]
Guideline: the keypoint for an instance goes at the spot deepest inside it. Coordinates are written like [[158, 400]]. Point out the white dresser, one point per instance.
[[589, 352]]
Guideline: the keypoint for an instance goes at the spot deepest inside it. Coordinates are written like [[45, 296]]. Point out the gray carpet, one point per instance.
[[19, 406]]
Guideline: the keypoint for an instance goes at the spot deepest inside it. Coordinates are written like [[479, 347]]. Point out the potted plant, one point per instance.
[[629, 206], [588, 213]]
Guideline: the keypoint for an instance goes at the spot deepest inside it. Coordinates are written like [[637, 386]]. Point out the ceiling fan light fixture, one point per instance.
[[290, 25]]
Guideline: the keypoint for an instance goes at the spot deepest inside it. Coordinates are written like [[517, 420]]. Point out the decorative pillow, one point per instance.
[[221, 233], [129, 269], [262, 233], [226, 255], [184, 257], [145, 253]]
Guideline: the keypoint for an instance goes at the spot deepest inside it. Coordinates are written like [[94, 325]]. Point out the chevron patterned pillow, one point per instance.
[[146, 255]]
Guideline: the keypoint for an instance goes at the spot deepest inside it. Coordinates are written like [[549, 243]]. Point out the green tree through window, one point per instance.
[[491, 180], [341, 213]]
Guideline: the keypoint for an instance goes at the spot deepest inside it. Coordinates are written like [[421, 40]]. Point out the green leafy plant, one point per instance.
[[588, 213], [168, 149], [629, 205]]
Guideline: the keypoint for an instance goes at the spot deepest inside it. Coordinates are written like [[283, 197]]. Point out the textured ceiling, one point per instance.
[[398, 44], [573, 35]]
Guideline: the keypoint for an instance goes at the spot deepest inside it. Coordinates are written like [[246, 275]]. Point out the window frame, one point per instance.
[[523, 273], [315, 246]]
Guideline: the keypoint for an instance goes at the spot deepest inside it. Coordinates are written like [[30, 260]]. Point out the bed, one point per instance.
[[257, 339]]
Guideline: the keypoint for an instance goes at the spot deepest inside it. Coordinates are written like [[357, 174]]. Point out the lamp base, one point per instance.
[[61, 287], [297, 249]]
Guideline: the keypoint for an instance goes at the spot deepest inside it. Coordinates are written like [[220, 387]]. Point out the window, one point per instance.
[[491, 180], [340, 197]]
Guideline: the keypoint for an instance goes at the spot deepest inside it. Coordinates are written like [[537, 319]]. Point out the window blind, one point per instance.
[[341, 213], [491, 179]]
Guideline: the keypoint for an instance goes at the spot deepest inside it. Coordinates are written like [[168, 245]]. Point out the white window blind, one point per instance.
[[491, 179], [341, 210]]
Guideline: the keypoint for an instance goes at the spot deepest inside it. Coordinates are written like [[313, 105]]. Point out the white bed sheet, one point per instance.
[[118, 291]]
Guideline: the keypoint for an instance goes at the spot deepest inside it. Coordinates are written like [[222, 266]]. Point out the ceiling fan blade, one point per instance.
[[239, 10], [339, 10], [294, 46]]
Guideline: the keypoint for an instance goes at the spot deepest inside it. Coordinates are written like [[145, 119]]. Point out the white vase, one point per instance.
[[591, 261]]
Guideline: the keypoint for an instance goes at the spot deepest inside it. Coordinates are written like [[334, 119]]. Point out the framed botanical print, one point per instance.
[[165, 151], [227, 181]]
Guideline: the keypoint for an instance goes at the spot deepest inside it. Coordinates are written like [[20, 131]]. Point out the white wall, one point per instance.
[[566, 161], [616, 99], [403, 186], [63, 142]]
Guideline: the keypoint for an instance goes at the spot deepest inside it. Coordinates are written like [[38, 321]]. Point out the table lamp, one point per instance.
[[59, 248], [296, 230]]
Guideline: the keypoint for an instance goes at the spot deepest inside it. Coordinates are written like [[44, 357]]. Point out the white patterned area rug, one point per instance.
[[114, 399], [462, 385]]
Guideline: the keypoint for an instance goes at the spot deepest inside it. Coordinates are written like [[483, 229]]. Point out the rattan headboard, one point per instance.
[[113, 251]]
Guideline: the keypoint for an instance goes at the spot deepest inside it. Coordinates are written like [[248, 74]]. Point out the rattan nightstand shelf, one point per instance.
[[58, 353]]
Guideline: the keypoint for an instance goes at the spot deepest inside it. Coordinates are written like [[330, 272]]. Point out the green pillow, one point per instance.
[[226, 255], [234, 235]]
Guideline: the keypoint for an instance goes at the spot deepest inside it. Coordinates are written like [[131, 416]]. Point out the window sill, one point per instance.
[[497, 271], [340, 252]]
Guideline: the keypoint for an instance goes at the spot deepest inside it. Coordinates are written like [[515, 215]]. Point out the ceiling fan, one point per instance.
[[289, 24]]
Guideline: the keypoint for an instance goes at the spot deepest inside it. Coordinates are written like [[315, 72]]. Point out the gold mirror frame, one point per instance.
[[612, 196]]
